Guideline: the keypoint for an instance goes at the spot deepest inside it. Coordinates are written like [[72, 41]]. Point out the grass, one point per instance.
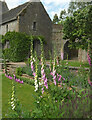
[[24, 93], [76, 63], [73, 63]]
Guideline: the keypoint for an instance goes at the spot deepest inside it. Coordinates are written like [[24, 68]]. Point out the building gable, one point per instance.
[[12, 14]]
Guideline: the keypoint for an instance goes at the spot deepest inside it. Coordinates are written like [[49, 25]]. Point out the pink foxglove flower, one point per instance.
[[34, 74], [54, 77], [57, 75], [42, 90], [43, 77], [21, 82], [46, 86], [55, 82], [54, 72], [62, 54], [18, 80], [59, 78], [42, 71], [51, 73], [10, 77], [89, 82], [89, 59], [32, 67], [45, 83]]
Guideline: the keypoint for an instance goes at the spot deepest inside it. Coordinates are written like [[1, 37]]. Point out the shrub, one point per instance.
[[27, 70], [7, 53], [19, 71], [19, 46]]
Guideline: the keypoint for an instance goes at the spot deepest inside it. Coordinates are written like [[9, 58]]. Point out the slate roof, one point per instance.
[[12, 14]]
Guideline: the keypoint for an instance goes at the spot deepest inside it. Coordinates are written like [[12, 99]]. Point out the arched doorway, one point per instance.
[[70, 54]]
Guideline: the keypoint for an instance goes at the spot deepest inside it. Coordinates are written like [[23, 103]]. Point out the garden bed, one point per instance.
[[79, 107]]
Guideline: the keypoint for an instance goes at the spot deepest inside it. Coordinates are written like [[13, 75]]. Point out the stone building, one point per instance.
[[32, 18]]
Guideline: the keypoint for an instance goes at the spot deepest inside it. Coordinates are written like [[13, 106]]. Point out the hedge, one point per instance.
[[19, 46]]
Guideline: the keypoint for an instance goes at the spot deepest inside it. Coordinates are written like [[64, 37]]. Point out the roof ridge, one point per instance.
[[13, 13], [16, 7], [24, 8]]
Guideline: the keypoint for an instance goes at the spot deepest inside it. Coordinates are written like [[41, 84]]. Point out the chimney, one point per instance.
[[3, 7]]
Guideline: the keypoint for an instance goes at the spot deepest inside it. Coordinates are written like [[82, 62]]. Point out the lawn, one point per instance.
[[76, 63], [73, 63], [24, 93]]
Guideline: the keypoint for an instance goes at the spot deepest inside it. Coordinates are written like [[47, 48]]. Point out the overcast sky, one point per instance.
[[52, 6]]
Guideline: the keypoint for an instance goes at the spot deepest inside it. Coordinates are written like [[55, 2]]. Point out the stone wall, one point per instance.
[[34, 20], [62, 45], [57, 40], [82, 55], [11, 26]]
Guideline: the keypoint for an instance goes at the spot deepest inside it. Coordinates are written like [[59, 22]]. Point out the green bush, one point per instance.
[[27, 70], [19, 46], [19, 71], [7, 53]]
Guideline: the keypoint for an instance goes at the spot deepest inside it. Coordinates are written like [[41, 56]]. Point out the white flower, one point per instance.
[[12, 98], [37, 101], [34, 59], [12, 102], [36, 87], [13, 107]]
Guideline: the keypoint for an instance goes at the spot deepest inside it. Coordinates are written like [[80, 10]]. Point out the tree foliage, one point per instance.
[[78, 28], [55, 19], [61, 18], [74, 6], [62, 14]]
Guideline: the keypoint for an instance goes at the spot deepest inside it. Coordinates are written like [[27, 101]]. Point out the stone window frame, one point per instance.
[[34, 25], [7, 28]]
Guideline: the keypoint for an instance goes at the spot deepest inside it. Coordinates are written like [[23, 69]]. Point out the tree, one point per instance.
[[62, 14], [78, 29], [55, 19], [74, 6]]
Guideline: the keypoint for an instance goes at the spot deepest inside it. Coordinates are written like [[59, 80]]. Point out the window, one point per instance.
[[34, 25], [6, 28]]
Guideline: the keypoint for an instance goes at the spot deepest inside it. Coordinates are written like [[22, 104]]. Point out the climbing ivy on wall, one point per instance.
[[19, 45]]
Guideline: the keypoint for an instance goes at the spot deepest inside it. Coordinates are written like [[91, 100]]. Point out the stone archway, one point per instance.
[[70, 54]]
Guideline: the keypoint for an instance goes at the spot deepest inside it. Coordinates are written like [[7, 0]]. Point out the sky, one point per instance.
[[51, 6]]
